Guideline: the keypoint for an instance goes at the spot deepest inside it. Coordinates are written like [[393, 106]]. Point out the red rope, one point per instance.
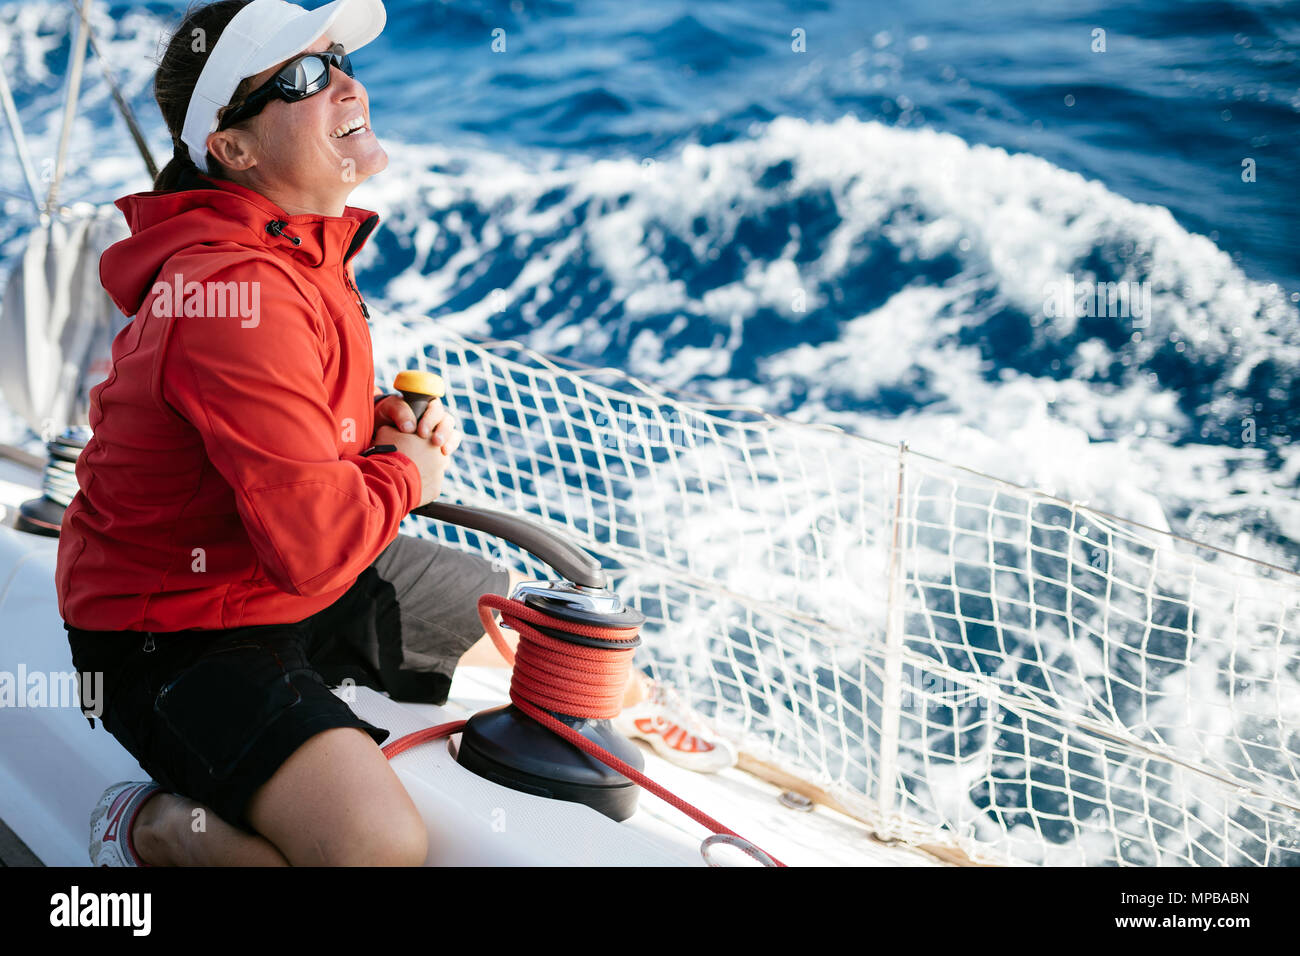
[[402, 744], [579, 681]]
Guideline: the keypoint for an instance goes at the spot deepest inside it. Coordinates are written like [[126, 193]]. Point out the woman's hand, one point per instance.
[[437, 424], [431, 462]]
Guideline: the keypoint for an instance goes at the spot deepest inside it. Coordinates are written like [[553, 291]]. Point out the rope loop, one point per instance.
[[553, 675]]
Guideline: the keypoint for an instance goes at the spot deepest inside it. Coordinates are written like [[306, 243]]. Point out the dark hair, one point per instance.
[[174, 81]]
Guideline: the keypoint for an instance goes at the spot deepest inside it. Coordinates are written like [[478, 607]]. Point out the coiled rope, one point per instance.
[[572, 679]]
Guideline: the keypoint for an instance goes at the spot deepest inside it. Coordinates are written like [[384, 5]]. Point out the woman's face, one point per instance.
[[289, 151]]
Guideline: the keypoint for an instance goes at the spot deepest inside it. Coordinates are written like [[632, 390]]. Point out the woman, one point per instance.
[[234, 550]]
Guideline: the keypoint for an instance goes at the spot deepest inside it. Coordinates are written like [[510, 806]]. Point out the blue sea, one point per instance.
[[843, 212], [854, 213]]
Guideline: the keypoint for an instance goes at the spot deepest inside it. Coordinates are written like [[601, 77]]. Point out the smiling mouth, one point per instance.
[[353, 126]]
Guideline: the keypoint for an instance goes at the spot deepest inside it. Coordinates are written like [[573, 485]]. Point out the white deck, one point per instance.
[[53, 766]]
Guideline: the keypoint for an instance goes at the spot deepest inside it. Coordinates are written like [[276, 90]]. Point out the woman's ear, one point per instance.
[[233, 148]]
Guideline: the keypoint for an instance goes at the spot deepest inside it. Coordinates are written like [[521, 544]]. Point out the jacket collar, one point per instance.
[[322, 241], [214, 214]]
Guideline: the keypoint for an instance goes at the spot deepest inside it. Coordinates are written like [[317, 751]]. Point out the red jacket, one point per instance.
[[223, 485]]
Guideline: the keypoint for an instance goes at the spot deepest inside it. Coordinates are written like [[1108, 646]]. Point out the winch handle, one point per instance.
[[419, 388], [570, 561]]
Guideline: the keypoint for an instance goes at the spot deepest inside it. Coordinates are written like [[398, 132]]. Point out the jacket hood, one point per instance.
[[226, 215]]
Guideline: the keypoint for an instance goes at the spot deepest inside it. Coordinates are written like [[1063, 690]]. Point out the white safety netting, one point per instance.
[[957, 660]]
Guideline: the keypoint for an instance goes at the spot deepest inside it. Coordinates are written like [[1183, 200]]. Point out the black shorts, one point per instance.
[[213, 714]]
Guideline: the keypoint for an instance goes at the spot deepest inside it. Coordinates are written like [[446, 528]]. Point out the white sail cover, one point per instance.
[[58, 323]]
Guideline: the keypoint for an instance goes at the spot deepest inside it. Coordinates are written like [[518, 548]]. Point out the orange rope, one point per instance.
[[557, 675], [571, 679]]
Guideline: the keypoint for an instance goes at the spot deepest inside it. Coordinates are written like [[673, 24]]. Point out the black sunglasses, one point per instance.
[[298, 79]]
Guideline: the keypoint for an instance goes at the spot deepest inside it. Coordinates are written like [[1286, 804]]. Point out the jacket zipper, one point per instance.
[[364, 310], [358, 237], [276, 228]]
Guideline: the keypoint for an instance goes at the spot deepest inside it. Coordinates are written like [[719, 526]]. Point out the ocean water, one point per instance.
[[855, 213], [865, 232]]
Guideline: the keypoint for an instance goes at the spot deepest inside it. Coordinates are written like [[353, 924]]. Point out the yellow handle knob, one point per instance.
[[420, 383], [419, 388]]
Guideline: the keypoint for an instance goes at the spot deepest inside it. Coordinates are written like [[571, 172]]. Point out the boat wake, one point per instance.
[[991, 309]]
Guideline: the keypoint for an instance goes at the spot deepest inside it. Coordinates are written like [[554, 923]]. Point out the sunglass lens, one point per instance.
[[306, 76]]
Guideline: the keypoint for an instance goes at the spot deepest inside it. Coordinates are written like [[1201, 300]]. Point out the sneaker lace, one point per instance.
[[672, 710]]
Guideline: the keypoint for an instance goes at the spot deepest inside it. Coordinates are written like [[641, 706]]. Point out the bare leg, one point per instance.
[[334, 802], [337, 802], [484, 653], [172, 830]]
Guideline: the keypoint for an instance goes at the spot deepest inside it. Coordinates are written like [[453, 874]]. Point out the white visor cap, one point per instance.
[[262, 34]]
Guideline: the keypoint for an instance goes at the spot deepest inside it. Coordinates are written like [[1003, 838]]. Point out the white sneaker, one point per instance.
[[111, 821], [674, 732]]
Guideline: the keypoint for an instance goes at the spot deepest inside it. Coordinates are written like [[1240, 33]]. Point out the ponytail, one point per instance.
[[174, 81], [180, 172]]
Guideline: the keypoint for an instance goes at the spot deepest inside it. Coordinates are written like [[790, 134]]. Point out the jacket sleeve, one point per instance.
[[255, 390]]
